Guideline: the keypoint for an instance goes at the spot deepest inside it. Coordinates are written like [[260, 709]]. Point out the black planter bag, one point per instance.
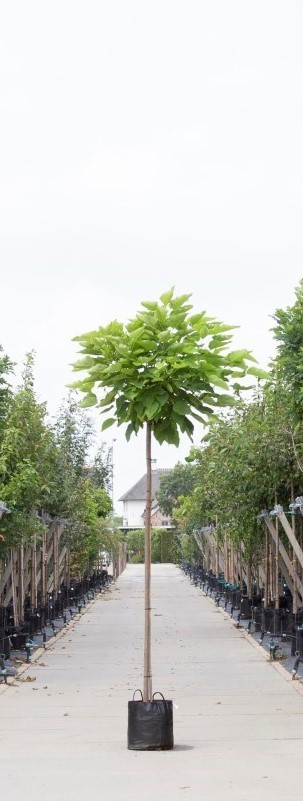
[[150, 724]]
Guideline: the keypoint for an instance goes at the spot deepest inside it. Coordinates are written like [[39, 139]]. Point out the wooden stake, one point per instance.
[[249, 579], [14, 596], [43, 568], [21, 583], [276, 563], [266, 571], [34, 574], [56, 560]]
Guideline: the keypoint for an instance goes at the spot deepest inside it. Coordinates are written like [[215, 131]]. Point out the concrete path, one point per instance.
[[238, 724]]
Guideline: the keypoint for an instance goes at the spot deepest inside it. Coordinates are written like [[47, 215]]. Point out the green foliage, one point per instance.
[[73, 436], [26, 452], [288, 369], [165, 545], [289, 362], [135, 544], [43, 468], [173, 483], [162, 368], [6, 368], [246, 462], [190, 551], [88, 531], [78, 493], [101, 470]]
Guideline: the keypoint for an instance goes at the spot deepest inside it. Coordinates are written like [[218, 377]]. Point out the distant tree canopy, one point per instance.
[[173, 483]]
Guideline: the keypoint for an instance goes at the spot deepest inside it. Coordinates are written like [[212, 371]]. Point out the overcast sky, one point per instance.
[[146, 145]]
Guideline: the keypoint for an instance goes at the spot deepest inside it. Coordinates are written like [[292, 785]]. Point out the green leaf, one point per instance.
[[107, 423], [129, 431], [217, 381], [89, 400], [197, 318], [136, 335], [177, 303], [238, 387], [166, 432], [149, 304], [226, 400], [167, 296], [109, 397], [236, 356], [198, 417], [258, 373], [84, 364], [152, 407], [181, 407]]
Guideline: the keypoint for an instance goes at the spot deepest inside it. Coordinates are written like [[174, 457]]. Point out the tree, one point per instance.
[[26, 453], [288, 368], [178, 481], [6, 368], [102, 468], [78, 492], [135, 544], [289, 335], [160, 370], [246, 463], [73, 436]]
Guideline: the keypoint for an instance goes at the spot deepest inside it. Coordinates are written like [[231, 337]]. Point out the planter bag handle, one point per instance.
[[138, 691], [158, 693]]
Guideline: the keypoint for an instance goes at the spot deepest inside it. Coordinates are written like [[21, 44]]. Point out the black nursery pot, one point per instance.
[[150, 724]]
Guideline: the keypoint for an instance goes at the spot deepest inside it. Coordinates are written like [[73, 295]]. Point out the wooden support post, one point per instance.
[[240, 568], [292, 538], [217, 560], [44, 569], [232, 563], [34, 574], [294, 571], [14, 592], [55, 560], [249, 580], [266, 571], [21, 582], [276, 568], [284, 561]]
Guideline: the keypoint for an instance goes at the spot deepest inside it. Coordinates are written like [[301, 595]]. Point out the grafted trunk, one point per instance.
[[147, 683]]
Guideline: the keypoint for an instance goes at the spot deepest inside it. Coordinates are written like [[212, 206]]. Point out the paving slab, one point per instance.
[[238, 722]]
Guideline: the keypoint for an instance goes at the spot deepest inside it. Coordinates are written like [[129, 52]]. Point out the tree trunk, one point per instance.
[[147, 684]]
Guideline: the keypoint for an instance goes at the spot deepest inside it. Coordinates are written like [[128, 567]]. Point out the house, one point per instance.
[[134, 503]]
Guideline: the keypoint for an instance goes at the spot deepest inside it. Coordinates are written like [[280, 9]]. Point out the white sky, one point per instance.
[[145, 145]]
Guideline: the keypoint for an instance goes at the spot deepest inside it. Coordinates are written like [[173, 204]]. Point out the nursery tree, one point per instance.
[[26, 453], [163, 369]]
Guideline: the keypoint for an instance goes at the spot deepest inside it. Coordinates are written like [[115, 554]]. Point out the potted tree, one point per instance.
[[163, 369]]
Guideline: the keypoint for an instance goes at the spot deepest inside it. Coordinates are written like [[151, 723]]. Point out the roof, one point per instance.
[[138, 491]]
